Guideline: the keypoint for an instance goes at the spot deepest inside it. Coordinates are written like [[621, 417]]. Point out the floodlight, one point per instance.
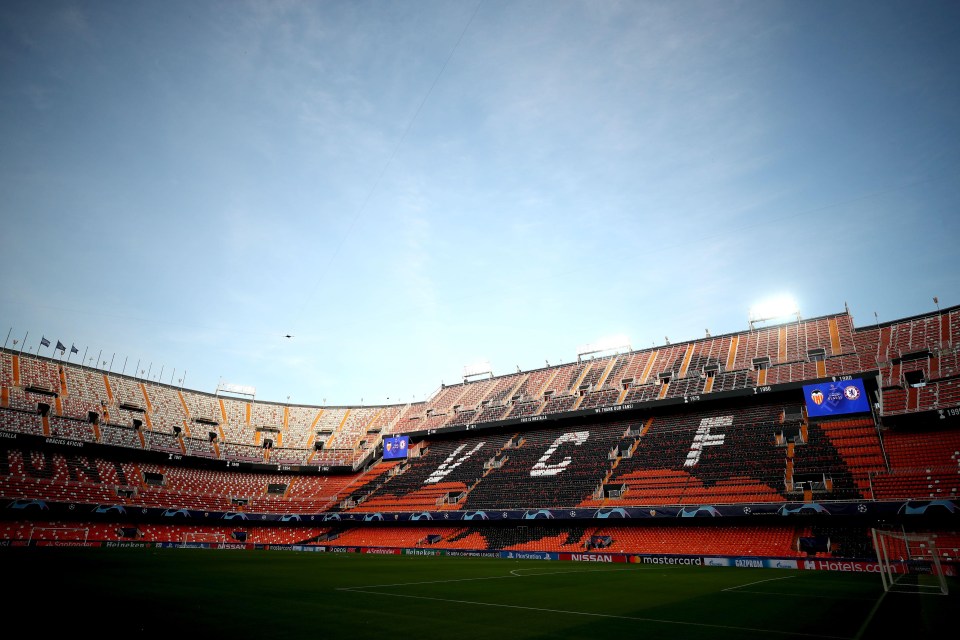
[[479, 368], [610, 343], [783, 306], [238, 389]]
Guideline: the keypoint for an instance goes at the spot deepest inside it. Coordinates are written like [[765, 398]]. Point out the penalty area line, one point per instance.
[[800, 595]]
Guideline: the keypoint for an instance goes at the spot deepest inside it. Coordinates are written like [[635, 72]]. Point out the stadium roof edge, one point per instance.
[[928, 314], [504, 375], [661, 346]]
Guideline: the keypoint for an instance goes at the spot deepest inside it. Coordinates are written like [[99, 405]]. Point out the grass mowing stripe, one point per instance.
[[601, 615], [250, 596], [512, 575]]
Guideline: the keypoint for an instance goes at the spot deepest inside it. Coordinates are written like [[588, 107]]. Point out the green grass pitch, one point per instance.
[[186, 593]]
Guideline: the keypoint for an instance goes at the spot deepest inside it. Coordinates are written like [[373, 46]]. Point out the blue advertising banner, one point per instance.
[[460, 553], [529, 555], [751, 562], [717, 562], [942, 506], [395, 448], [835, 398], [778, 563]]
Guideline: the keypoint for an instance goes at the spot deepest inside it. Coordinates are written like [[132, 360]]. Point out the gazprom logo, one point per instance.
[[748, 562]]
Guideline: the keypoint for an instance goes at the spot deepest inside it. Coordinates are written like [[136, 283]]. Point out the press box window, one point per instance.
[[915, 378]]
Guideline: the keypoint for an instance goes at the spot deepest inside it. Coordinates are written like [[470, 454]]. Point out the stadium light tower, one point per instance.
[[477, 369], [779, 308], [604, 346]]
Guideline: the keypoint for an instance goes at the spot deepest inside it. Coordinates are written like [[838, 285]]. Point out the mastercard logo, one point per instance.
[[817, 396]]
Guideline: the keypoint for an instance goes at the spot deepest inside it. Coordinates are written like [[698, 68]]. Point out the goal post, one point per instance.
[[58, 534], [909, 562], [200, 539]]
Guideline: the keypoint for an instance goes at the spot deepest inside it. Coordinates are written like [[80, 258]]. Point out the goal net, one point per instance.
[[198, 539], [58, 534], [909, 562]]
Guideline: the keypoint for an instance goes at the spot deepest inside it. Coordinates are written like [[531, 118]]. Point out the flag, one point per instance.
[[44, 342], [60, 346], [73, 349]]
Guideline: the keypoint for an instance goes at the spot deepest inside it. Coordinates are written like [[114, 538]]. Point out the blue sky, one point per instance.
[[409, 187]]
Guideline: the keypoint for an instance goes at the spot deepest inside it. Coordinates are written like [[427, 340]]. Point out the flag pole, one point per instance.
[[24, 343], [111, 362], [8, 337], [98, 358], [84, 358]]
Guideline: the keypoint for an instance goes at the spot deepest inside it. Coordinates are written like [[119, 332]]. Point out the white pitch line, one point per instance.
[[869, 618], [599, 615], [800, 595], [757, 582], [410, 584], [512, 575]]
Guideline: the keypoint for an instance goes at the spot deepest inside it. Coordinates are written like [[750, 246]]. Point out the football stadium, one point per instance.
[[788, 469], [565, 319]]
